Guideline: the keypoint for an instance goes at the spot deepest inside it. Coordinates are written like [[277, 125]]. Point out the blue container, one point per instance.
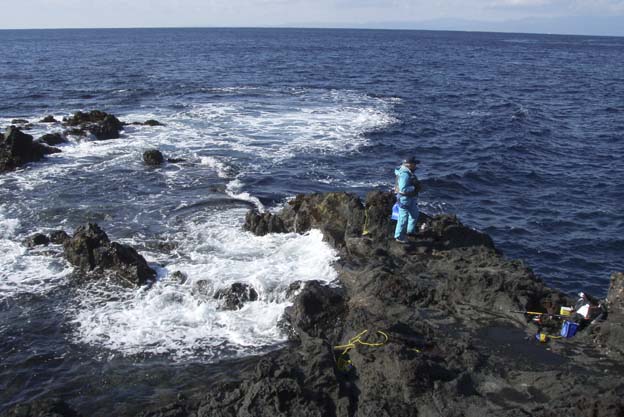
[[395, 212], [568, 329]]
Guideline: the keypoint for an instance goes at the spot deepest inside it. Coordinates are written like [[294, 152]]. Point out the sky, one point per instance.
[[543, 16]]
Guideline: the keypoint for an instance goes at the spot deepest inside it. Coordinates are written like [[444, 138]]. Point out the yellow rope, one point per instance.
[[358, 339]]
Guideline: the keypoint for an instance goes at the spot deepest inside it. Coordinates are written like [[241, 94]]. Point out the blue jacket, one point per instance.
[[406, 183]]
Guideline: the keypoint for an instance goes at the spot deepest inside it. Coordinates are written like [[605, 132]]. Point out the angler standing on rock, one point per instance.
[[406, 188]]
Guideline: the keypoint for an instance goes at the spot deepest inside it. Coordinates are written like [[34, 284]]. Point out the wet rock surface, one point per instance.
[[38, 239], [101, 124], [52, 139], [235, 296], [18, 148], [91, 251], [48, 119], [153, 157]]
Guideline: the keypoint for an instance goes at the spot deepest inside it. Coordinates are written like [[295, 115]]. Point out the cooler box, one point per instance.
[[569, 329]]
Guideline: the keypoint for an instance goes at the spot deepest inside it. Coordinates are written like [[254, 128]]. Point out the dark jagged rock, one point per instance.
[[42, 408], [175, 160], [436, 327], [179, 277], [153, 157], [235, 296], [318, 310], [92, 252], [101, 124], [109, 128], [59, 237], [262, 223], [52, 139], [19, 122], [152, 122], [83, 118], [38, 239], [338, 215], [454, 347], [48, 119], [18, 148]]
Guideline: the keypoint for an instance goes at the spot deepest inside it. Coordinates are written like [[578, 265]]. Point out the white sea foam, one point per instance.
[[184, 321], [25, 270], [225, 138]]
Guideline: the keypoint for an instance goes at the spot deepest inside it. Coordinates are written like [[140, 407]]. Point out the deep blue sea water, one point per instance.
[[521, 136]]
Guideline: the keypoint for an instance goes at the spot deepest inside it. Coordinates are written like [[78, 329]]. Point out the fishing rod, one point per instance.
[[539, 314]]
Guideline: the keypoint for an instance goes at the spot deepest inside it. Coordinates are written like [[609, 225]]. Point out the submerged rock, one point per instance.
[[235, 296], [152, 122], [153, 157], [52, 139], [19, 122], [92, 252], [38, 239], [48, 119]]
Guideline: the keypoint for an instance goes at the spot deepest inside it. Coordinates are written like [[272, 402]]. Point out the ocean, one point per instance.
[[521, 136]]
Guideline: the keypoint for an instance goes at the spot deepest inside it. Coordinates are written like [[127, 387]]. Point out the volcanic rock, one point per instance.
[[153, 157], [52, 139], [235, 296], [262, 223], [18, 148], [48, 119], [37, 239], [101, 124], [152, 122], [454, 345], [92, 252]]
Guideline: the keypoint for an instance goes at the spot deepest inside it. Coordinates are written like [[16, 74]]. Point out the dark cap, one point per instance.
[[411, 160]]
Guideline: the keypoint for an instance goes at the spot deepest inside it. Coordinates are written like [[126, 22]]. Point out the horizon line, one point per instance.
[[306, 27]]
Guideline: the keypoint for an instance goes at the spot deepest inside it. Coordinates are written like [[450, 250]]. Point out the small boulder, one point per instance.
[[179, 277], [48, 119], [175, 160], [38, 239], [91, 251], [52, 139], [153, 157], [234, 297], [109, 128], [19, 122]]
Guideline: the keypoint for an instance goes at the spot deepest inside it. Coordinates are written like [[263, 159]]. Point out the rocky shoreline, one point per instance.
[[18, 148], [442, 338]]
